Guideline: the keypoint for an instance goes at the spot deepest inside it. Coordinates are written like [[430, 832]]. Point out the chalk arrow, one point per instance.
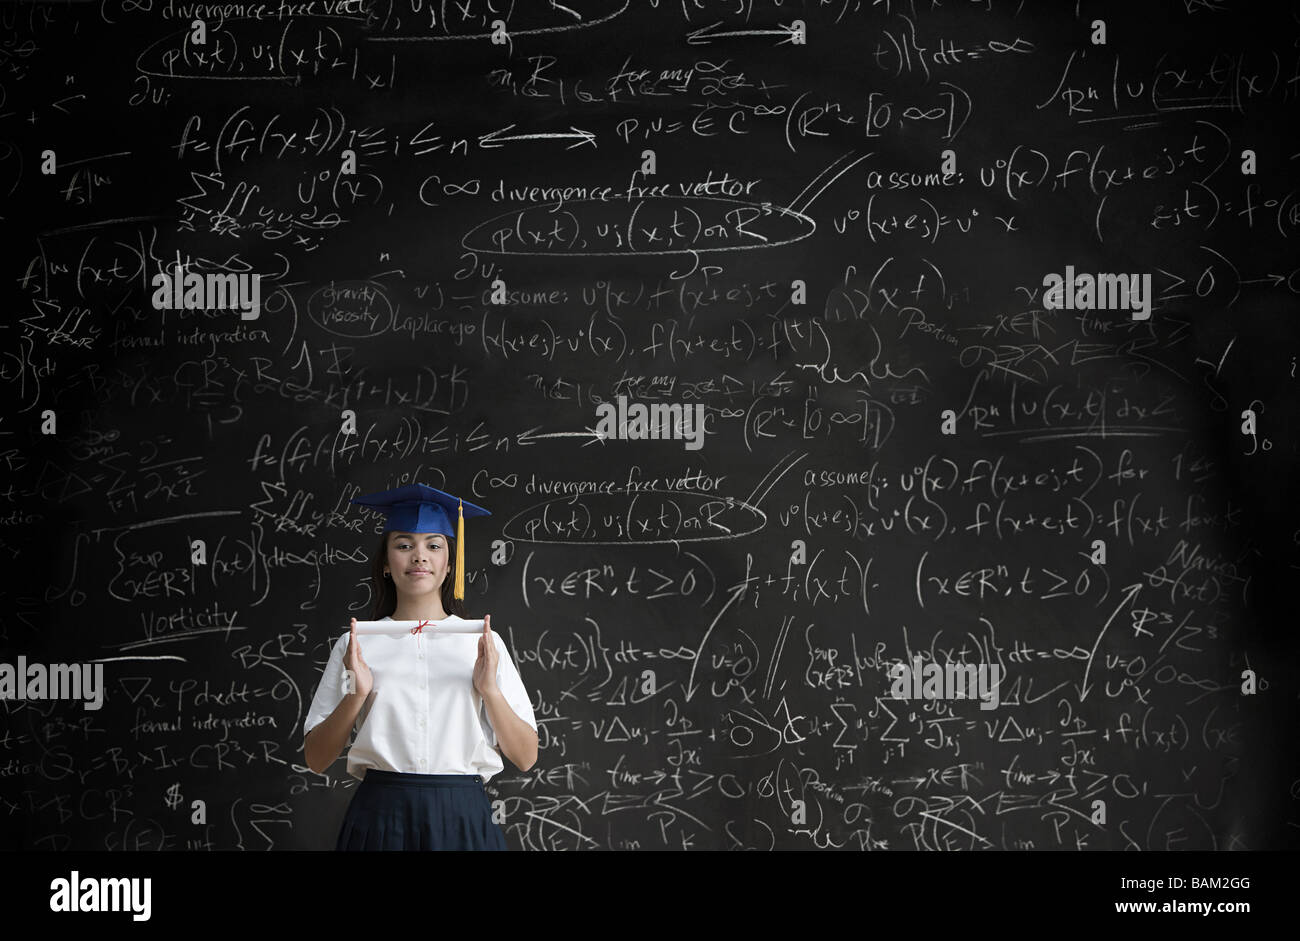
[[595, 436], [706, 34], [529, 437], [737, 592], [499, 137], [1130, 593]]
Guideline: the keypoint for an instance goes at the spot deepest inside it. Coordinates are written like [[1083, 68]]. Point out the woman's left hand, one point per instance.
[[485, 668]]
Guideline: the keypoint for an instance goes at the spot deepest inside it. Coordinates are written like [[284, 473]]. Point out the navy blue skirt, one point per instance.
[[393, 811]]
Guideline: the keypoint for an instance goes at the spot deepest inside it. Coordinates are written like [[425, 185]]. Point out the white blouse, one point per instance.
[[423, 714]]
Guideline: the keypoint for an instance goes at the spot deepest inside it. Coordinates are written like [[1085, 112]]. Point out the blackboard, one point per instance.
[[825, 234]]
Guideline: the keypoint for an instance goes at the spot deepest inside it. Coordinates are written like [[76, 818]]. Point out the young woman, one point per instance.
[[433, 711]]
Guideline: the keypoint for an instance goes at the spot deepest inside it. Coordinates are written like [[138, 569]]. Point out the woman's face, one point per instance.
[[418, 562]]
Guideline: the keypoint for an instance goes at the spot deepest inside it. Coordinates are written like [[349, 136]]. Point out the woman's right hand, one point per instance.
[[363, 682]]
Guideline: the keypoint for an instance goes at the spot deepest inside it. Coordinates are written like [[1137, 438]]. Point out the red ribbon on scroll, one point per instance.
[[419, 628]]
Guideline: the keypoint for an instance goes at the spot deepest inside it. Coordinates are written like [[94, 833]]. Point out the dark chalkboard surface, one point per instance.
[[787, 343]]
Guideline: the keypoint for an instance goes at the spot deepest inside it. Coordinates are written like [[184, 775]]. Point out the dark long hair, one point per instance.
[[384, 594]]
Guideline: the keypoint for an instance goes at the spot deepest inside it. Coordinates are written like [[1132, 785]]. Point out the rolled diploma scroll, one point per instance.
[[446, 626]]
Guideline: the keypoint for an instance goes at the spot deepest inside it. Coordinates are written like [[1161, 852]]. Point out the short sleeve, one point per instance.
[[512, 688], [329, 693]]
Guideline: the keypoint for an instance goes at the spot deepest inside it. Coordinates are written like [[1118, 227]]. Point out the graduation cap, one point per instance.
[[418, 508]]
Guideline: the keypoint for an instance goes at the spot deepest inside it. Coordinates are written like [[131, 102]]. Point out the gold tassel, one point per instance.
[[460, 551]]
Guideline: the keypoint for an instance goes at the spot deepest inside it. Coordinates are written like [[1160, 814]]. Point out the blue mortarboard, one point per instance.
[[419, 508]]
